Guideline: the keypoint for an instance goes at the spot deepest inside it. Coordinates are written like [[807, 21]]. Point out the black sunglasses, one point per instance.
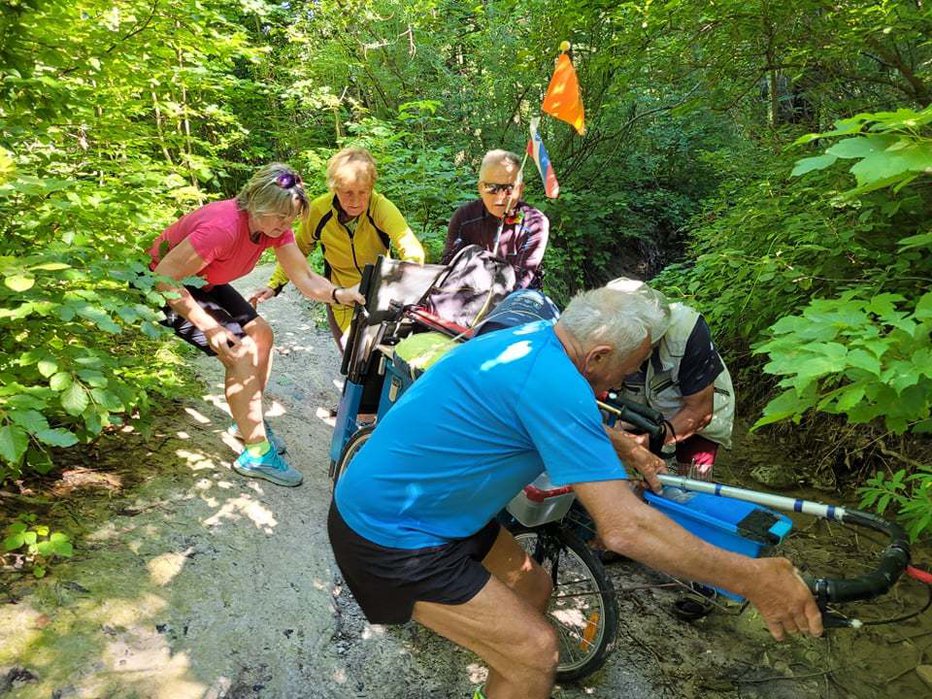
[[496, 187]]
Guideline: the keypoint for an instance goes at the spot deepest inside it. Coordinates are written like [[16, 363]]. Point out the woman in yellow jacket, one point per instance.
[[353, 224]]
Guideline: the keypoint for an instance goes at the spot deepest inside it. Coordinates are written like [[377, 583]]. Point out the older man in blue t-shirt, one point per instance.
[[412, 523]]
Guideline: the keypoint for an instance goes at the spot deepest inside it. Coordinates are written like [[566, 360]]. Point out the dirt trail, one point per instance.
[[195, 582]]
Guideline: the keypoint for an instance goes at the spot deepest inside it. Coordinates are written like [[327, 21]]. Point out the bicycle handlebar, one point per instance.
[[638, 415], [893, 560], [892, 563]]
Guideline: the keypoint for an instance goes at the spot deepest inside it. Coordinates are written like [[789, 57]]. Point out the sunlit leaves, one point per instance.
[[13, 442], [877, 365], [891, 150]]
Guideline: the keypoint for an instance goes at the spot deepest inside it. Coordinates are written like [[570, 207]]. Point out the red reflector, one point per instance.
[[535, 494]]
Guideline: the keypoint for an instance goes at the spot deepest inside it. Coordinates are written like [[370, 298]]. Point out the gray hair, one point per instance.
[[610, 317], [660, 318], [499, 157], [274, 189]]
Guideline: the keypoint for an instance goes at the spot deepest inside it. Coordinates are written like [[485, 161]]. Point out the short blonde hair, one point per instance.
[[274, 189], [351, 165]]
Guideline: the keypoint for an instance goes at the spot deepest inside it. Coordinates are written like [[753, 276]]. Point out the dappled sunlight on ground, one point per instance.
[[323, 414], [244, 507], [84, 478], [217, 400], [477, 673], [164, 568], [197, 416], [274, 408], [372, 631], [197, 461]]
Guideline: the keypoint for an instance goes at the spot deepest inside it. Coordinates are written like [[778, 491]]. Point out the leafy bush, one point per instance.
[[863, 358], [867, 353], [911, 492], [36, 544]]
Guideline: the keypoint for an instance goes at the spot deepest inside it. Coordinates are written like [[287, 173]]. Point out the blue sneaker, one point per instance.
[[278, 444], [271, 466]]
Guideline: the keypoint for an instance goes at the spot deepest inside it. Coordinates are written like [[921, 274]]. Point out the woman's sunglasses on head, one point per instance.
[[288, 180]]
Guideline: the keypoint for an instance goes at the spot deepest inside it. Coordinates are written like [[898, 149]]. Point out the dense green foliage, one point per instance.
[[115, 117]]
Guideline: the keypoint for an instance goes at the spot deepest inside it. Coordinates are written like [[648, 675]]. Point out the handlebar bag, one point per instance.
[[469, 287]]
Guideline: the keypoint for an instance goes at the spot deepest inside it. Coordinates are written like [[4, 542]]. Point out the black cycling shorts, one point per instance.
[[224, 303], [386, 582]]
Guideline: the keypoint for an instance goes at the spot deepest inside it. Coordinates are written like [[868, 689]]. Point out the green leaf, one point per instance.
[[924, 307], [17, 528], [785, 405], [900, 375], [14, 541], [57, 437], [47, 367], [61, 381], [92, 377], [60, 544], [74, 399], [20, 282], [863, 359], [862, 146], [883, 165], [849, 397], [39, 460], [30, 538], [51, 266], [13, 443], [818, 162], [27, 402], [38, 571], [30, 420], [922, 240], [107, 399]]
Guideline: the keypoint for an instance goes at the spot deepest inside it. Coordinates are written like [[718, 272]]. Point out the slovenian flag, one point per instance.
[[535, 148]]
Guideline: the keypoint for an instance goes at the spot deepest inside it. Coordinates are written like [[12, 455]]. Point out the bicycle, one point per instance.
[[582, 608]]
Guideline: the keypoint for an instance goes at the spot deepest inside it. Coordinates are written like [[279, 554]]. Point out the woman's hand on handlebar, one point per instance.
[[260, 295], [350, 295], [634, 455]]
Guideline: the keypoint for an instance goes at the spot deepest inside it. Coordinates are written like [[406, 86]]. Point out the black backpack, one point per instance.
[[469, 287]]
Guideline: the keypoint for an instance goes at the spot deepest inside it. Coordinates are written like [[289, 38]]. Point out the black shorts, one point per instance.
[[386, 582], [224, 303]]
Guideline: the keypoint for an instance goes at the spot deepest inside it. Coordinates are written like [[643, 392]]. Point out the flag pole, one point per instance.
[[565, 48], [512, 201]]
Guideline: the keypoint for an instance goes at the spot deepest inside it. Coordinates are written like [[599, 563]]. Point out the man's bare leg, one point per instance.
[[503, 624]]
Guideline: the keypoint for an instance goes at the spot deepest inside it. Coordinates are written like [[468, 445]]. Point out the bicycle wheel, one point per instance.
[[360, 437], [582, 607]]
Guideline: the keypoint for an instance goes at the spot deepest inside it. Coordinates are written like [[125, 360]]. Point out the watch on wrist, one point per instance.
[[333, 294]]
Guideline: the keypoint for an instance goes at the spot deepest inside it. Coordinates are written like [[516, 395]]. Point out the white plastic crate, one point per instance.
[[541, 502]]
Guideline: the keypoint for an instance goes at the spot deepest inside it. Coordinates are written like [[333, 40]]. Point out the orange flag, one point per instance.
[[563, 100]]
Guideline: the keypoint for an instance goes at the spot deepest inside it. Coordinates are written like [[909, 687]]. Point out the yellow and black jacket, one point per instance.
[[348, 247]]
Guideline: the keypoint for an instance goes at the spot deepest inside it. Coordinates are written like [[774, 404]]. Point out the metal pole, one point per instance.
[[779, 502]]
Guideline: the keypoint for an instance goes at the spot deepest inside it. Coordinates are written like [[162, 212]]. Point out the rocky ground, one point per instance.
[[189, 581]]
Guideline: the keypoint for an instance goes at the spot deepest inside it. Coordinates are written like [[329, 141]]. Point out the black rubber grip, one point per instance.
[[893, 561], [359, 319], [641, 417]]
